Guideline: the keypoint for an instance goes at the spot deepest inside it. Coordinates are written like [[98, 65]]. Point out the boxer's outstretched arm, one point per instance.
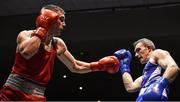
[[74, 65], [109, 64], [68, 59]]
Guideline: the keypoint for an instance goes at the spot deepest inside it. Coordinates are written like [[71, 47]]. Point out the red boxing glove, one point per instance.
[[110, 64], [44, 21]]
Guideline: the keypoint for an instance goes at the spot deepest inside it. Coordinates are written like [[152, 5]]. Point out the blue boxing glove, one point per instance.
[[155, 91], [124, 57]]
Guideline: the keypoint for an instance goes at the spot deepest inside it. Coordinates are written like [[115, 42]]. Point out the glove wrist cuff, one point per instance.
[[94, 66], [125, 69], [40, 33]]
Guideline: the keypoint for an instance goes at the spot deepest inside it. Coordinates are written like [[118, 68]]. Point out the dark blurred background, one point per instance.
[[94, 29]]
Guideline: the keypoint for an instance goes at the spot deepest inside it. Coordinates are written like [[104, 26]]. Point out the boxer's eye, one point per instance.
[[62, 19], [137, 50]]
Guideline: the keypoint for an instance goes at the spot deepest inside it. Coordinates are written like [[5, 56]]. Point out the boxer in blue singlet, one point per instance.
[[160, 70], [151, 74]]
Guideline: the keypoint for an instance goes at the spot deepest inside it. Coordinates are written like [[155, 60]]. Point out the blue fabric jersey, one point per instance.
[[151, 73]]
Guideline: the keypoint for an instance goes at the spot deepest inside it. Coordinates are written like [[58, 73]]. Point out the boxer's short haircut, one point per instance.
[[54, 8], [146, 42]]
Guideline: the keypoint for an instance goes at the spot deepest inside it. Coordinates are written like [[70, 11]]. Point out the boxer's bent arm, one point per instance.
[[130, 85], [66, 57], [164, 59], [27, 46]]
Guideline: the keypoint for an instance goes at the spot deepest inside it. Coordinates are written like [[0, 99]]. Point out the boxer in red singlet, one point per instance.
[[35, 54]]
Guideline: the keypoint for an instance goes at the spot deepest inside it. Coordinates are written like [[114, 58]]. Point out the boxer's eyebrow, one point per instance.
[[137, 50]]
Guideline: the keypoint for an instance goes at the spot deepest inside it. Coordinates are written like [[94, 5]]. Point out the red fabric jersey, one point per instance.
[[38, 68]]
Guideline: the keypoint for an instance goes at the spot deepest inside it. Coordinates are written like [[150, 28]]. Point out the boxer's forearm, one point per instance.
[[171, 72], [130, 85]]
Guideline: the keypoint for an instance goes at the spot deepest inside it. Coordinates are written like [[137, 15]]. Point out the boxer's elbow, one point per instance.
[[26, 53], [130, 90]]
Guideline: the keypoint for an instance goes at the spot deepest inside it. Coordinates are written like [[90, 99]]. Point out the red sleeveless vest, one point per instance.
[[38, 68]]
